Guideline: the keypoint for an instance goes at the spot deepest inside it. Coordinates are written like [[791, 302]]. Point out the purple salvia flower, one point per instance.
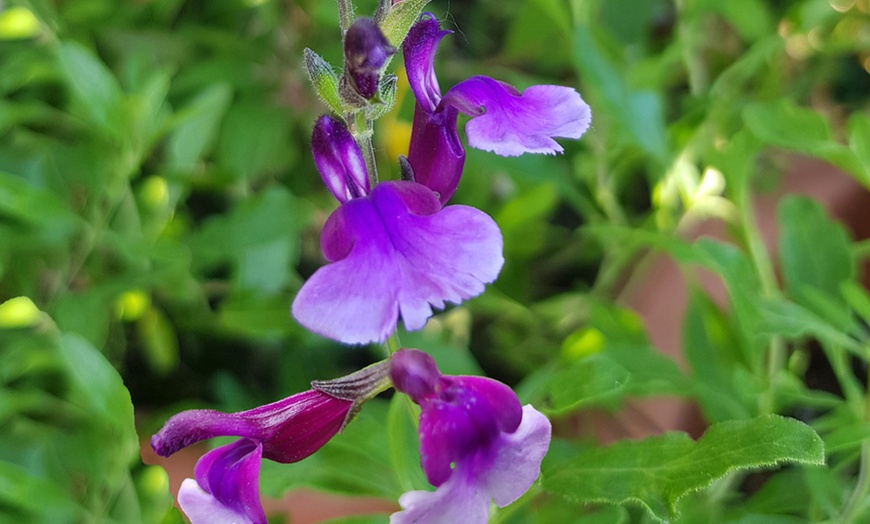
[[226, 488], [288, 430], [503, 120], [366, 50], [477, 443], [392, 251]]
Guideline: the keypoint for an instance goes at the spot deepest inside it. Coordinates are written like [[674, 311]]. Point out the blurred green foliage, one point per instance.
[[159, 209]]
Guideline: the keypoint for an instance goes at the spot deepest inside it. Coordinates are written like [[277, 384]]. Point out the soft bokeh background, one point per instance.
[[159, 209]]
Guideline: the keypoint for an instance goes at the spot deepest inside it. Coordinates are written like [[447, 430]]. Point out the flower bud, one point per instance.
[[339, 160], [366, 50]]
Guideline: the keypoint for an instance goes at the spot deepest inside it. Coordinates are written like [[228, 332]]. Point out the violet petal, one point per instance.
[[419, 49], [502, 471], [457, 500], [500, 399], [517, 459], [510, 124], [231, 474], [202, 508], [397, 260], [435, 152], [414, 373], [465, 415], [338, 159]]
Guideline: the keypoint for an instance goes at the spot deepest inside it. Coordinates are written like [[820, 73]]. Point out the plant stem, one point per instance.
[[767, 278], [393, 343], [345, 15], [362, 128]]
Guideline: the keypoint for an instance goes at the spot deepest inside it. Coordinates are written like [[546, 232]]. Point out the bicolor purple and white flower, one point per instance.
[[503, 120], [226, 485], [477, 443], [226, 488], [392, 250]]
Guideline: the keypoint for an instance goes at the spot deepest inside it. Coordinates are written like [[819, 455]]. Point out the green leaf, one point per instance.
[[858, 299], [814, 252], [31, 498], [197, 126], [786, 125], [586, 381], [399, 20], [786, 491], [35, 206], [859, 142], [254, 139], [639, 113], [657, 472], [750, 17], [403, 443], [260, 236], [98, 388], [711, 349], [323, 80], [782, 317], [651, 372], [95, 88]]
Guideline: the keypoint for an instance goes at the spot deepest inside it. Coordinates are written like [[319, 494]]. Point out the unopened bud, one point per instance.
[[366, 50]]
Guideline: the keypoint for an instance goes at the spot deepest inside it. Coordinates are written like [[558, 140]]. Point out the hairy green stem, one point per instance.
[[393, 343], [776, 352], [362, 128], [345, 15]]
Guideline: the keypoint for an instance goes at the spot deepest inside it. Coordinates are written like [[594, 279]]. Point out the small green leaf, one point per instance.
[[33, 498], [197, 127], [260, 236], [324, 80], [657, 472], [253, 140], [859, 142], [750, 17], [786, 125], [399, 20], [403, 443], [652, 373], [813, 251], [713, 352], [94, 87], [35, 206], [587, 381], [858, 299], [781, 317], [639, 113], [387, 92]]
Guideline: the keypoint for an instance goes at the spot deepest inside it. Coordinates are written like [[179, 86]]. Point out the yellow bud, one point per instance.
[[18, 23], [582, 343], [18, 312], [132, 304]]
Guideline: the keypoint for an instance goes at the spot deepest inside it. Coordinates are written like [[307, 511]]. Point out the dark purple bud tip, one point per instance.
[[366, 50], [339, 160], [414, 373]]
